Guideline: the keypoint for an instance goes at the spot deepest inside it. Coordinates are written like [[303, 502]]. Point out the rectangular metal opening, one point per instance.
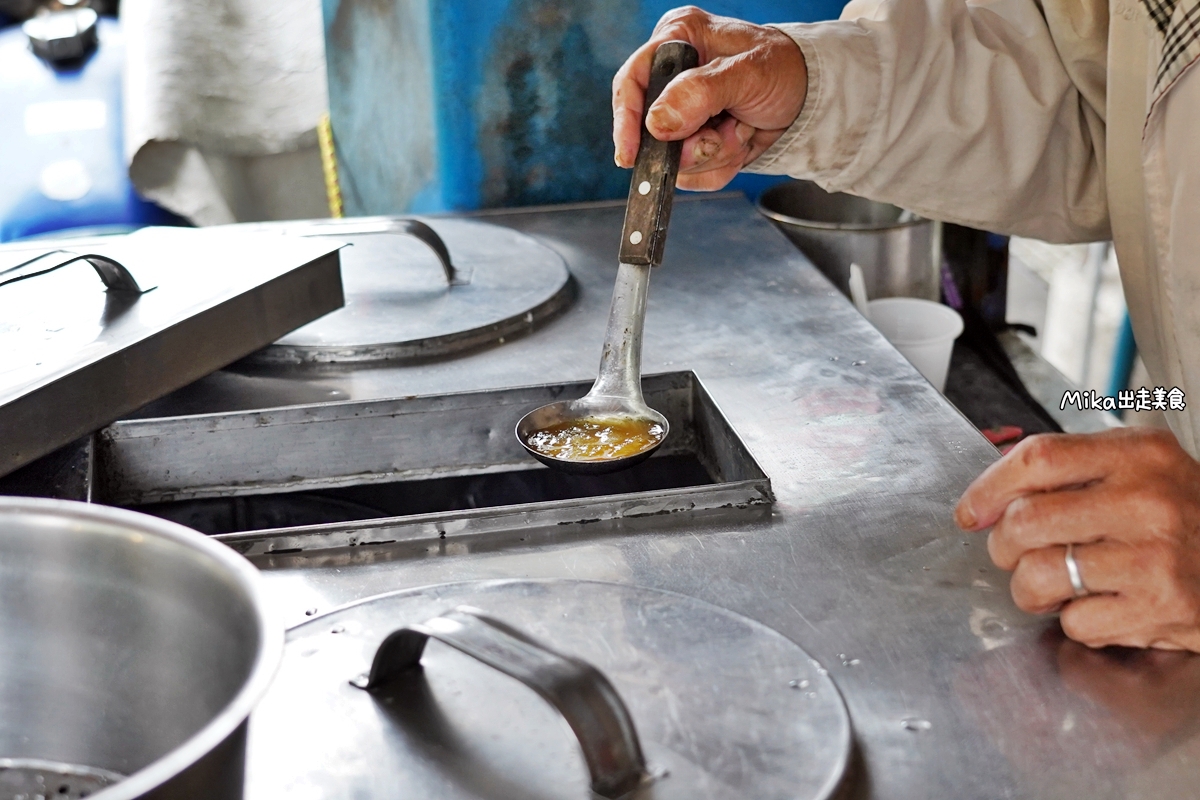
[[375, 472]]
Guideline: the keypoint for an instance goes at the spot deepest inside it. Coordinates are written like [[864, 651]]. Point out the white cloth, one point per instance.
[[1026, 118], [222, 99]]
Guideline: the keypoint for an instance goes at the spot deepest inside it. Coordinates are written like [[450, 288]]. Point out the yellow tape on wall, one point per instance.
[[333, 191]]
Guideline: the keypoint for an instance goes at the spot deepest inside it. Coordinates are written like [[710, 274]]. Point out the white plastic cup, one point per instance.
[[923, 332]]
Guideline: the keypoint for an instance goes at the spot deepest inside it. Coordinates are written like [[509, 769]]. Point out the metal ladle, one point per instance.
[[617, 392]]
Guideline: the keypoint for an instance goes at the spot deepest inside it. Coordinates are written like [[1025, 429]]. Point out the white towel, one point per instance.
[[222, 99]]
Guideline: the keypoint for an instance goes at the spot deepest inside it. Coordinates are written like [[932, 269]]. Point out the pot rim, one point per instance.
[[865, 227], [266, 660]]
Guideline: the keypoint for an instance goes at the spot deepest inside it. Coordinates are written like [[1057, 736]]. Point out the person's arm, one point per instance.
[[959, 111]]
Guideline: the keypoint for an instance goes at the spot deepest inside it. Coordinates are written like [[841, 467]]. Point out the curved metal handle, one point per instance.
[[580, 692], [115, 276], [418, 229], [410, 227]]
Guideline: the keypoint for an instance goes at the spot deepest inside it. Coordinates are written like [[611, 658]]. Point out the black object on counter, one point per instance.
[[983, 383]]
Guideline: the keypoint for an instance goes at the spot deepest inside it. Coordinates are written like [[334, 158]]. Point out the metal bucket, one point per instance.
[[899, 252], [132, 651]]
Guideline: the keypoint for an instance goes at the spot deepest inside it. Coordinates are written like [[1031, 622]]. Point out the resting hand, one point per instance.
[[755, 74], [1129, 500]]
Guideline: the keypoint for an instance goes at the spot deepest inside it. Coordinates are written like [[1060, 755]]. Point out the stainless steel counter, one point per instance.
[[953, 693]]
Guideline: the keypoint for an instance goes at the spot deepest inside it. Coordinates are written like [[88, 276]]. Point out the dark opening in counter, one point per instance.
[[371, 472]]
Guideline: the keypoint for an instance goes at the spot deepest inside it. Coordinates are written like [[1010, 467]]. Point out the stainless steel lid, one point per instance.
[[419, 289], [663, 696], [94, 329]]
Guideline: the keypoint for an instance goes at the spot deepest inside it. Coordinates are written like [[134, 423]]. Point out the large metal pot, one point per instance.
[[900, 252], [132, 651]]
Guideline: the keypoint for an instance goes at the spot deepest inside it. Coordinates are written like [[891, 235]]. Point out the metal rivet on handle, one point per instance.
[[644, 187], [635, 237]]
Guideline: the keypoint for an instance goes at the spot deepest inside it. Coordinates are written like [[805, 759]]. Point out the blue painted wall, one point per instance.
[[454, 105]]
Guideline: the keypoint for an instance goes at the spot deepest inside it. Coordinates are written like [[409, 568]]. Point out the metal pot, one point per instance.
[[900, 253], [132, 651]]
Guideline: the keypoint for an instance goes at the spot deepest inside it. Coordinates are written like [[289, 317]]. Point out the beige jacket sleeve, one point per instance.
[[988, 113]]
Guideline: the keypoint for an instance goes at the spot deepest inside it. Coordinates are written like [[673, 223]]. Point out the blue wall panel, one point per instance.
[[518, 110]]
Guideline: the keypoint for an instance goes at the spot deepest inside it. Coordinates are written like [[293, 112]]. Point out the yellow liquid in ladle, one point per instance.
[[595, 439]]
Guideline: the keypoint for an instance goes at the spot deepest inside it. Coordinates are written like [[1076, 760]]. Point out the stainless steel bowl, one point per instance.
[[130, 647], [900, 252]]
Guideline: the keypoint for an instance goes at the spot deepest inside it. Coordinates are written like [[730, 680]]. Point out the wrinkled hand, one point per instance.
[[754, 74], [1129, 500]]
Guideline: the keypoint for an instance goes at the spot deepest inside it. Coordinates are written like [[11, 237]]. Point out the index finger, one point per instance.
[[1041, 463], [629, 101]]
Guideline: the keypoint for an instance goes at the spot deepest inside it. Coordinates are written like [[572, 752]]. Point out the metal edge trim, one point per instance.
[[418, 350], [752, 492], [153, 426]]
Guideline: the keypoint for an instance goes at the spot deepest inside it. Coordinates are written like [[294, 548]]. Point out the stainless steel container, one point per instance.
[[900, 253], [132, 651]]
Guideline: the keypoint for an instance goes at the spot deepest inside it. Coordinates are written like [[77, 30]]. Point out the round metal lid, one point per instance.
[[405, 301], [722, 705]]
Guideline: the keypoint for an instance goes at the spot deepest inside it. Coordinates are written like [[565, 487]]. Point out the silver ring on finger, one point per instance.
[[1073, 573]]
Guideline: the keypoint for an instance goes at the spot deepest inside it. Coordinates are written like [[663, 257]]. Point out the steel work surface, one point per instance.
[[952, 691]]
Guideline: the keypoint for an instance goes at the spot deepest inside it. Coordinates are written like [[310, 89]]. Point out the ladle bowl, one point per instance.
[[594, 407]]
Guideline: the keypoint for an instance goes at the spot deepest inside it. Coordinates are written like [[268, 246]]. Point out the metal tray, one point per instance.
[[154, 465], [171, 306]]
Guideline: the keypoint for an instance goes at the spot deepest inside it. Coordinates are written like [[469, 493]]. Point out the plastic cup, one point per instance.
[[923, 332]]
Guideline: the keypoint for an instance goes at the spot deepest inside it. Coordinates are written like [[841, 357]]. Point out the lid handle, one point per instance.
[[411, 227], [652, 187], [580, 692], [115, 276], [418, 229]]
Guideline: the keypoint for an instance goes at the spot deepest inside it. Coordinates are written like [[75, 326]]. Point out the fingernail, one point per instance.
[[964, 517], [704, 149], [664, 118], [743, 132]]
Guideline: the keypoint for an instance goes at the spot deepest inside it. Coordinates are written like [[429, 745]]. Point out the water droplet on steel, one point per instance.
[[915, 724]]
